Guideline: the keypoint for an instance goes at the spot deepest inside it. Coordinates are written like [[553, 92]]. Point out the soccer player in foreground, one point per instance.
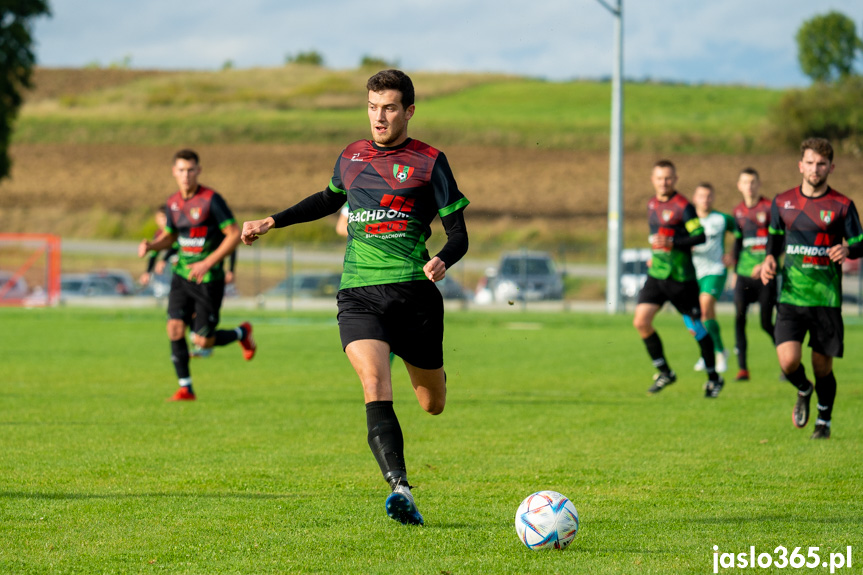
[[752, 215], [387, 300], [674, 229], [813, 219], [203, 226], [711, 267]]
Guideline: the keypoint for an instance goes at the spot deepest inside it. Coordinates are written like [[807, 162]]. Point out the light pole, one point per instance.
[[615, 167]]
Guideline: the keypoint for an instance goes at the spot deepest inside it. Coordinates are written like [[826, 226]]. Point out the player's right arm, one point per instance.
[[314, 207], [163, 241], [775, 244]]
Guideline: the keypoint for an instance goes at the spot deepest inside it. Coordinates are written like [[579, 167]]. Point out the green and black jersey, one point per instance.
[[674, 217], [198, 223], [811, 226], [394, 194], [752, 224]]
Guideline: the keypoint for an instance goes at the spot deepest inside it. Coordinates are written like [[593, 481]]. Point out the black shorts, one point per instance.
[[682, 295], [749, 290], [408, 316], [824, 324], [196, 304]]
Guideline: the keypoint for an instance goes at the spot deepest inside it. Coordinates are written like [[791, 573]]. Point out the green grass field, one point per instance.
[[269, 471], [301, 104]]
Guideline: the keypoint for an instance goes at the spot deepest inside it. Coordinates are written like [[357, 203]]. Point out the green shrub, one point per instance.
[[312, 58], [826, 110]]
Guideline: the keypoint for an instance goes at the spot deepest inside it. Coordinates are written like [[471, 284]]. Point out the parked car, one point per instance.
[[122, 280], [87, 285], [11, 287], [451, 289], [633, 272], [307, 285], [527, 276]]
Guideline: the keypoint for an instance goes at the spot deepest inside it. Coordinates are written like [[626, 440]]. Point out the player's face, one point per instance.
[[815, 168], [748, 185], [186, 173], [663, 180], [702, 199], [388, 118]]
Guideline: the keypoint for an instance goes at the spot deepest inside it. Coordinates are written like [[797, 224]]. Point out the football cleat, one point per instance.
[[401, 507], [822, 431], [712, 388], [661, 381], [699, 365], [742, 375], [183, 394], [201, 352], [800, 413], [248, 342]]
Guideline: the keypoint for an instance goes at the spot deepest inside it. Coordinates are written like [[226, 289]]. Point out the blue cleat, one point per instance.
[[401, 507]]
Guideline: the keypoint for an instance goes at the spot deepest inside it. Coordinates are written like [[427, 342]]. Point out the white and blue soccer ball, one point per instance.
[[546, 520]]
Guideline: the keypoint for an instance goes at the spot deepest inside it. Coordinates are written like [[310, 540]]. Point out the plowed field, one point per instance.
[[567, 189]]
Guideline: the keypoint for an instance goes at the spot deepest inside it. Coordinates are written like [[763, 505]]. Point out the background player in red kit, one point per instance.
[[750, 247], [202, 225], [674, 229], [394, 186], [813, 219]]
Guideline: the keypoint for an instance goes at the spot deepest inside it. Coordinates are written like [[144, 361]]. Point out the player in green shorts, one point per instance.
[[813, 219], [711, 267]]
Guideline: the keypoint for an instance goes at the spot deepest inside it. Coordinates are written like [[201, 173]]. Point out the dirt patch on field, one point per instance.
[[557, 191]]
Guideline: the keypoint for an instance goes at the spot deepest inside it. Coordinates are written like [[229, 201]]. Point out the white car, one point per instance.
[[633, 273]]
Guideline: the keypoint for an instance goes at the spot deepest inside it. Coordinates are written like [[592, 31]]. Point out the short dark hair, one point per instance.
[[665, 164], [750, 172], [186, 154], [820, 146], [393, 80], [707, 186]]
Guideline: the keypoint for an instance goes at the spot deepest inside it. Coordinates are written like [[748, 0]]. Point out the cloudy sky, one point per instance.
[[727, 41]]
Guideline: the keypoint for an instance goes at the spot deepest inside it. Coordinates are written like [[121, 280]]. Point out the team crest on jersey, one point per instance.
[[666, 215], [195, 214], [402, 173], [827, 216]]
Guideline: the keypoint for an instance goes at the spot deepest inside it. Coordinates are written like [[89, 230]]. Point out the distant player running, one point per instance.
[[711, 267], [750, 247], [674, 229], [813, 218], [395, 187], [202, 225]]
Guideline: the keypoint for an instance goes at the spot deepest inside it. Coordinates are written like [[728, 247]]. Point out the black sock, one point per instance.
[[709, 356], [825, 387], [180, 357], [654, 349], [798, 379], [386, 441], [225, 336]]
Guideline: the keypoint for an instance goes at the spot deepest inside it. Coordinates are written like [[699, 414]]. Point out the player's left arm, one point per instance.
[[853, 236], [447, 194], [453, 250], [694, 229]]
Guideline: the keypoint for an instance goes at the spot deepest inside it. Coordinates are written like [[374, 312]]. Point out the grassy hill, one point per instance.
[[298, 104]]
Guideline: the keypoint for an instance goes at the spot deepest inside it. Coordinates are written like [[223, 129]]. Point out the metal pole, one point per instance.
[[615, 170]]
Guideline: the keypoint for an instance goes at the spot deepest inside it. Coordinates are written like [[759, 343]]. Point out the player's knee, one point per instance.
[[176, 329], [435, 406]]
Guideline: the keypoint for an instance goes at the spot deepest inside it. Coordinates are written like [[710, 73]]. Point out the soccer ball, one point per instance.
[[546, 520]]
